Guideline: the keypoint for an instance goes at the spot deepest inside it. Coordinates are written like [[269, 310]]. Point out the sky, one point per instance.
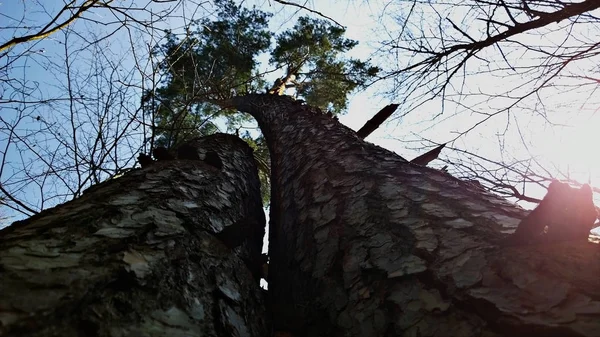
[[564, 141]]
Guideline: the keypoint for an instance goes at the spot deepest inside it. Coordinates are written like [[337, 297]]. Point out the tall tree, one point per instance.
[[70, 77], [364, 243]]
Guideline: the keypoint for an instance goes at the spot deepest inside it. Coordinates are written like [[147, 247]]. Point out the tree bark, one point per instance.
[[363, 243], [152, 253]]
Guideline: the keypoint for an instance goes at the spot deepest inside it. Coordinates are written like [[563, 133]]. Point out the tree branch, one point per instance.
[[373, 123], [43, 33], [310, 10]]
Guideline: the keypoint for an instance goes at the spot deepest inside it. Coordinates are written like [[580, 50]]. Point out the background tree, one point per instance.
[[71, 77]]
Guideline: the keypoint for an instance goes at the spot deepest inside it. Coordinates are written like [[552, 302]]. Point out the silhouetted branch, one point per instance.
[[425, 158], [309, 10], [373, 123], [53, 27]]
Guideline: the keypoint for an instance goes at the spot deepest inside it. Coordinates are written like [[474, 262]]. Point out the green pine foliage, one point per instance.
[[217, 58], [314, 50], [214, 60]]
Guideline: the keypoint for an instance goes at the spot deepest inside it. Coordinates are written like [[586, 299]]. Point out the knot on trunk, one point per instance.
[[565, 213]]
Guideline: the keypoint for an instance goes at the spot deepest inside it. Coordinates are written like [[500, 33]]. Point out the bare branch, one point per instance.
[[52, 27], [283, 2], [373, 123]]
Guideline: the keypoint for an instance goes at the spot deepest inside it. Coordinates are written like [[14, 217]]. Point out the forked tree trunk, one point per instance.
[[363, 243], [152, 253]]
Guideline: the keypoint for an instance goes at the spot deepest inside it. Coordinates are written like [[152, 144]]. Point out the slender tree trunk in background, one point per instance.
[[152, 253], [363, 243]]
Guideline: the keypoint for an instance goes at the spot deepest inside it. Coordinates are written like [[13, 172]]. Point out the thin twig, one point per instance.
[[310, 10]]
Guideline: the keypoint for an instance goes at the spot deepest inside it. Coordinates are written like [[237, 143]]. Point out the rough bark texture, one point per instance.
[[147, 254], [363, 243]]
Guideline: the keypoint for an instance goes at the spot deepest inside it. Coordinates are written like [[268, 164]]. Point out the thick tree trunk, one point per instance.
[[152, 253], [363, 243]]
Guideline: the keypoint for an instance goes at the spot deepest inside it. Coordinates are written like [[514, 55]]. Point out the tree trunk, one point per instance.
[[152, 253], [363, 243]]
